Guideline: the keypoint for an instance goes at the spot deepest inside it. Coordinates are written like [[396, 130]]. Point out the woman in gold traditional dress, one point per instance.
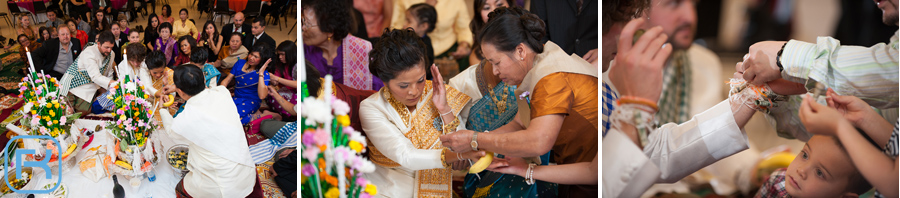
[[404, 120]]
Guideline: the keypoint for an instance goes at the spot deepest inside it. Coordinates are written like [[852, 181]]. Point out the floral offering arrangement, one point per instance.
[[331, 165], [132, 127], [44, 113]]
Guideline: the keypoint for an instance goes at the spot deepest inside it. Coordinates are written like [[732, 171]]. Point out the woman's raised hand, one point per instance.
[[439, 93]]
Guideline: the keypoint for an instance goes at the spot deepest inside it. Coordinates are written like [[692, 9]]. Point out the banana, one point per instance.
[[482, 163], [778, 160], [171, 101], [123, 164], [69, 151]]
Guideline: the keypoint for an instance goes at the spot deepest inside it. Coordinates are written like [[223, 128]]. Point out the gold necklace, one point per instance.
[[501, 103]]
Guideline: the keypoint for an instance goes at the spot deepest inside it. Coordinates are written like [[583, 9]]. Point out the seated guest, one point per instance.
[[219, 164], [25, 42], [210, 40], [283, 73], [237, 26], [91, 71], [25, 27], [99, 24], [118, 41], [53, 33], [230, 54], [123, 24], [166, 15], [183, 26], [327, 43], [166, 43], [52, 20], [151, 32], [259, 34], [44, 34], [183, 49], [82, 24], [134, 37], [76, 33], [210, 73], [57, 54], [251, 80]]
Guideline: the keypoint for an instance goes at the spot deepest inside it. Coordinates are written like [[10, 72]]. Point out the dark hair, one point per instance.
[[332, 16], [265, 53], [261, 21], [20, 38], [189, 39], [290, 55], [507, 27], [198, 55], [155, 59], [150, 22], [165, 25], [189, 78], [136, 52], [312, 79], [73, 21], [478, 23], [204, 35], [168, 10], [396, 51], [618, 11], [41, 32], [184, 10], [106, 37], [238, 34], [116, 24], [99, 23], [424, 13]]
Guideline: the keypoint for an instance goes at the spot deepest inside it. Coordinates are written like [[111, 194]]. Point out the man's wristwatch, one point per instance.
[[474, 143]]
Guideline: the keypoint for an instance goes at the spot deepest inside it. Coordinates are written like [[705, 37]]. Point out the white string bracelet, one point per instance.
[[640, 116]]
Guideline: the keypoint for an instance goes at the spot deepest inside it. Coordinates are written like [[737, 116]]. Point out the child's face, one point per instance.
[[413, 22], [821, 169], [134, 37]]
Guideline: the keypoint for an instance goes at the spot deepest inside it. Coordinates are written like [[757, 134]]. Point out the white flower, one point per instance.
[[130, 87], [340, 107], [356, 136], [316, 110], [367, 167]]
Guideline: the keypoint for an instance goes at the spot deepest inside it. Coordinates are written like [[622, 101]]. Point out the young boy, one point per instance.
[[421, 18], [821, 169]]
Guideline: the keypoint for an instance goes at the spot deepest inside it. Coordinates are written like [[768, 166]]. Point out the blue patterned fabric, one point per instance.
[[609, 97], [285, 137], [210, 72]]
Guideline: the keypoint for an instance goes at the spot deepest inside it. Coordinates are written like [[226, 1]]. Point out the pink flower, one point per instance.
[[62, 120], [308, 169], [322, 136], [35, 121], [120, 112], [311, 154], [361, 181], [309, 139]]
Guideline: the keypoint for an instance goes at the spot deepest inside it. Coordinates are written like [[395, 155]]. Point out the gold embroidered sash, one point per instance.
[[423, 135]]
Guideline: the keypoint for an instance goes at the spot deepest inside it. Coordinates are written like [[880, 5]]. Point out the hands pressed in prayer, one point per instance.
[[262, 70], [458, 141], [643, 60], [760, 63]]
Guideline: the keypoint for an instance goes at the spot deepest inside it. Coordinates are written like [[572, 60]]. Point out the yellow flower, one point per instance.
[[52, 113], [145, 95], [109, 97], [33, 112], [356, 146], [332, 193], [344, 120], [56, 105], [135, 113], [122, 117], [47, 118], [371, 189], [114, 114], [56, 122], [52, 79]]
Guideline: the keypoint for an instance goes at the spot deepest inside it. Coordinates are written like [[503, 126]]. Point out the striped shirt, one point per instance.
[[869, 73]]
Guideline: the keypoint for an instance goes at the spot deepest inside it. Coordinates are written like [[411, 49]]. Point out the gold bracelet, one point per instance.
[[444, 159], [450, 127]]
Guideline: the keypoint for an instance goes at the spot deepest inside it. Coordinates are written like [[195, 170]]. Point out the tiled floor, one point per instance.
[[279, 35]]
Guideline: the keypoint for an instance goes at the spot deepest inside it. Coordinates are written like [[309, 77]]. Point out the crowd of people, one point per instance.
[[232, 83], [525, 92]]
